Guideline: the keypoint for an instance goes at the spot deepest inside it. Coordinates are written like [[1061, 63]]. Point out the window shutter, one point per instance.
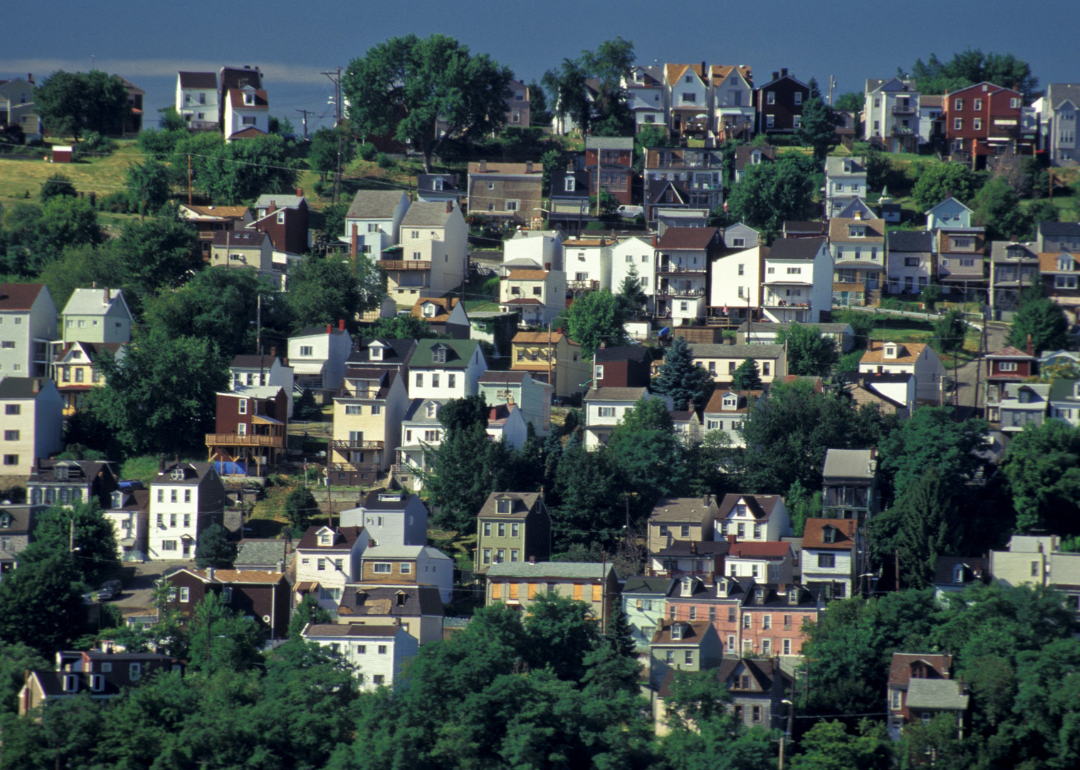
[[577, 591], [597, 593], [496, 590], [513, 590], [532, 590]]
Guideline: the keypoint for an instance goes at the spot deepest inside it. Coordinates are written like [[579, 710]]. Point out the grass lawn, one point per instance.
[[103, 176]]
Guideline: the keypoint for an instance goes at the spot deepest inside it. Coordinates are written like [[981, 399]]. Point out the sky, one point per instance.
[[291, 42]]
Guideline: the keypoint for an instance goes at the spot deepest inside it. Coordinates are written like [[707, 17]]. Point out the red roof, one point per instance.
[[19, 296], [687, 238], [759, 550]]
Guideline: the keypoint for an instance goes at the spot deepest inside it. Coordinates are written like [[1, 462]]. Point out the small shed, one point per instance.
[[61, 154]]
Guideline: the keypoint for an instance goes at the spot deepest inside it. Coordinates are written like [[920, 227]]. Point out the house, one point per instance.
[[701, 595], [752, 517], [444, 369], [587, 263], [740, 236], [814, 229], [1005, 367], [684, 257], [833, 552], [390, 354], [687, 426], [261, 596], [439, 188], [858, 251], [245, 249], [569, 192], [96, 315], [101, 674], [75, 370], [16, 530], [421, 432], [377, 653], [683, 646], [627, 366], [780, 104], [682, 178], [643, 603], [1065, 401], [985, 119], [318, 357], [132, 123], [689, 559], [858, 206], [418, 610], [247, 113], [129, 514], [33, 425], [721, 361], [250, 430], [505, 423], [727, 410], [772, 619], [845, 182], [1060, 274], [495, 328], [906, 358], [326, 559], [920, 688], [517, 106], [772, 562], [733, 102], [539, 295], [517, 584], [633, 256], [736, 285], [17, 106], [542, 248], [797, 284], [890, 393], [688, 98], [1023, 404], [285, 218], [1058, 236], [747, 155], [850, 485], [609, 162], [680, 217], [551, 358], [955, 573], [444, 315], [756, 687], [911, 264], [891, 110], [197, 100], [373, 221], [207, 221], [431, 257], [512, 527], [392, 516], [1013, 267], [388, 564], [71, 482], [950, 214], [531, 397], [605, 406], [506, 192], [248, 371], [1061, 104], [931, 120], [185, 499], [961, 261], [646, 96], [27, 328], [683, 519], [263, 554], [367, 425]]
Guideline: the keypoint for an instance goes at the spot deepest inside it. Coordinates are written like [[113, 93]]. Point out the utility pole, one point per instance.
[[258, 324], [305, 113], [832, 85], [189, 179], [335, 78], [897, 586]]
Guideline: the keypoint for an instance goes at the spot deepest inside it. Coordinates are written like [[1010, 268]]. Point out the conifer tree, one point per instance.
[[685, 381]]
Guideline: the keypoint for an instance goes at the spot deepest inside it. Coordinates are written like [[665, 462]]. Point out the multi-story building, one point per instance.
[[539, 295], [520, 389], [389, 564], [431, 257], [832, 557], [914, 358], [506, 192], [27, 328], [1061, 106], [1065, 401], [377, 653], [726, 412], [682, 645], [71, 482], [247, 371], [684, 256], [367, 425], [931, 122], [646, 96], [250, 431], [207, 221], [445, 369], [1056, 237], [518, 584], [416, 609], [185, 499], [587, 263], [326, 559], [285, 218], [33, 423], [512, 527], [721, 361], [1023, 404], [16, 529], [772, 562], [247, 113], [911, 265], [682, 519], [960, 254], [780, 104], [845, 182], [570, 208], [850, 485], [392, 516], [437, 188], [634, 257], [756, 518], [643, 602], [732, 101], [129, 514], [551, 358], [245, 249], [75, 370], [1014, 268], [17, 106], [197, 100], [318, 356], [605, 407], [262, 597], [891, 115], [858, 251], [373, 221], [797, 280], [735, 284], [609, 163], [517, 106], [682, 178], [421, 432], [96, 315], [688, 98], [920, 688], [985, 119], [541, 248]]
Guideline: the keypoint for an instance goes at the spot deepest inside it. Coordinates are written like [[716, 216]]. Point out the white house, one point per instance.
[[683, 258], [258, 371], [634, 255], [32, 412], [830, 554], [247, 113], [543, 247], [587, 263], [762, 562], [891, 114], [726, 412], [421, 431], [318, 356], [798, 280], [605, 407], [197, 99], [721, 361], [435, 237], [27, 328], [506, 423], [445, 369], [373, 221], [185, 499], [733, 100], [377, 653], [391, 516], [539, 295], [326, 559], [97, 315], [530, 396], [906, 358], [752, 517], [646, 96], [845, 180], [735, 283], [688, 97], [417, 564]]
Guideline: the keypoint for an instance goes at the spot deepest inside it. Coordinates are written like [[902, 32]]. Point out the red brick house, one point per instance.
[[780, 104], [1005, 366], [609, 161], [250, 432], [285, 219], [985, 119], [627, 366], [263, 596]]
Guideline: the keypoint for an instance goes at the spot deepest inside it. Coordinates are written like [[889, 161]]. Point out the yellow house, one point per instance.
[[551, 357], [367, 425], [75, 371]]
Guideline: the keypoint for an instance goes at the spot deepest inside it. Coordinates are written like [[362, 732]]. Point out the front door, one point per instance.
[[187, 548]]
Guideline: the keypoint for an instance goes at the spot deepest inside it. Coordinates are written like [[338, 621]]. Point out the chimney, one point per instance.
[[528, 167], [1030, 348], [273, 351], [449, 206], [547, 266], [654, 240], [693, 548], [37, 382], [210, 573], [532, 560], [30, 78], [482, 167], [354, 248], [341, 324], [775, 75], [280, 566], [272, 207], [161, 464], [732, 539], [329, 328], [108, 295], [706, 500], [781, 588], [299, 192], [783, 72]]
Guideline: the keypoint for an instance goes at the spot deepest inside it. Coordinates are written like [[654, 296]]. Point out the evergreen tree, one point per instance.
[[590, 506], [307, 611], [925, 521], [305, 408], [221, 639], [746, 376], [818, 127], [949, 332], [300, 509], [214, 548], [689, 384]]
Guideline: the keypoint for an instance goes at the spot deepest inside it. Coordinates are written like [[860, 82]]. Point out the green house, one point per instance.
[[512, 527]]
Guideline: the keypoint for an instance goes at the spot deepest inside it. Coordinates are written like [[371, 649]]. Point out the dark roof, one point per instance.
[[760, 505], [23, 517], [762, 671], [695, 548], [743, 154], [908, 240], [399, 503], [900, 668], [458, 353], [193, 473], [198, 80], [344, 537], [414, 601], [237, 77], [397, 352], [844, 540], [793, 226], [21, 387], [236, 98], [624, 353], [78, 471], [773, 599], [19, 296], [351, 630], [523, 503], [503, 377], [688, 237], [252, 362], [759, 549], [1055, 229], [975, 568], [693, 631], [647, 585], [426, 182], [242, 239], [795, 248]]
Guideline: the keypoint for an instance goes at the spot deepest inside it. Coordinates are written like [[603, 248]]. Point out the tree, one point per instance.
[[230, 173], [567, 86], [16, 658], [1042, 465], [997, 208], [304, 408], [153, 254], [770, 193], [932, 438], [938, 181], [949, 332], [41, 604], [539, 114], [802, 505], [930, 295], [829, 746], [818, 127], [82, 527], [809, 352], [973, 66], [407, 85], [861, 323], [148, 184], [322, 291], [924, 521], [73, 103], [171, 120], [648, 455], [308, 611], [593, 318], [632, 295], [37, 237], [401, 327], [160, 396], [560, 623], [1041, 319], [221, 639], [281, 126], [746, 376], [300, 509], [681, 378], [849, 101], [57, 185], [323, 153], [214, 548], [590, 506]]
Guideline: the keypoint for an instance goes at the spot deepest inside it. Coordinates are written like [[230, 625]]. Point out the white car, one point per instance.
[[630, 212]]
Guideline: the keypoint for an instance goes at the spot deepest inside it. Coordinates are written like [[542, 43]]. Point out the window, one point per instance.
[[766, 622], [606, 411], [1014, 103], [1065, 282], [731, 615], [12, 409], [977, 105], [512, 205], [185, 594], [383, 568], [1007, 366], [826, 561], [741, 271], [187, 519], [378, 679], [798, 121], [514, 529], [306, 350], [419, 380], [135, 671], [1034, 569], [770, 120], [502, 530], [755, 713], [958, 104], [487, 556], [746, 621], [322, 564], [958, 124], [688, 657], [770, 97], [11, 435], [671, 612], [786, 646], [353, 409], [976, 124], [693, 613]]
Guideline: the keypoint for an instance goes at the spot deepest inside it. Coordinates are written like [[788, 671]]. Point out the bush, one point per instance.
[[117, 203], [98, 144], [161, 144], [367, 151], [56, 186], [385, 161]]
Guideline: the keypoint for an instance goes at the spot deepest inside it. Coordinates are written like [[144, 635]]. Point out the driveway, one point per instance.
[[138, 589], [967, 376]]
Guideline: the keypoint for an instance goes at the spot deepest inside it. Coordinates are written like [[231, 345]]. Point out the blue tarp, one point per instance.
[[231, 469]]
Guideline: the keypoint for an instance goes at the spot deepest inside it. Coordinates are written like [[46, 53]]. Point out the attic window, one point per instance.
[[249, 98], [437, 184], [504, 505], [570, 184], [325, 538], [958, 573], [793, 596], [5, 521], [432, 409], [177, 474], [60, 472], [438, 354], [429, 312], [676, 631], [376, 353], [759, 596], [687, 587], [1064, 263], [828, 535]]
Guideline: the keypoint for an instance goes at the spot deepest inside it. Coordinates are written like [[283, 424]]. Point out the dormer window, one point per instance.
[[687, 587], [326, 538], [676, 631], [721, 587], [828, 535], [958, 573], [857, 231], [890, 350], [437, 184], [249, 99], [5, 521], [60, 473], [376, 353], [1024, 396], [432, 410], [759, 596], [438, 354], [117, 499], [570, 184], [177, 474], [793, 596], [1065, 263], [504, 505], [428, 310]]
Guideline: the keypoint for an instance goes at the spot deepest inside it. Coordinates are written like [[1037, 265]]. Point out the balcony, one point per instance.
[[356, 467], [667, 267], [355, 446], [773, 301], [583, 285], [405, 264], [235, 439], [902, 131], [667, 291], [900, 109]]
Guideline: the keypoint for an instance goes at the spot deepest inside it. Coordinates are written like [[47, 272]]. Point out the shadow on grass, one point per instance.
[[264, 528]]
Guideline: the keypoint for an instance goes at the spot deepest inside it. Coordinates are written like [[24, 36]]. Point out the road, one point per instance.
[[137, 593], [967, 375]]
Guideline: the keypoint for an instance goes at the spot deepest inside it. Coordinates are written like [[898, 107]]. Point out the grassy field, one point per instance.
[[25, 174]]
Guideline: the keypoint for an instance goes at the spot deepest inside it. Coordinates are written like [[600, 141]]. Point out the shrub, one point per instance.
[[384, 160], [367, 151], [55, 186]]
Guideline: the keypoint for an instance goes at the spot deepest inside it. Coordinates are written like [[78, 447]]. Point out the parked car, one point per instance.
[[110, 589], [630, 212]]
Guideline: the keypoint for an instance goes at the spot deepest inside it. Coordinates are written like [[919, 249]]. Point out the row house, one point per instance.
[[71, 482], [643, 600], [389, 354], [392, 516], [33, 423], [1060, 274], [726, 412], [609, 162], [587, 263], [684, 257], [326, 559], [261, 370], [376, 654], [129, 515], [520, 390], [721, 361], [646, 96], [261, 596], [961, 261], [368, 413], [373, 221], [506, 192], [445, 369], [250, 430], [518, 584], [416, 609], [780, 104], [552, 358], [534, 249], [389, 564], [570, 209], [850, 485], [683, 646], [634, 257], [681, 519], [735, 281], [688, 98], [318, 356], [247, 113], [733, 101], [985, 119], [683, 178], [27, 329], [858, 251], [439, 188], [208, 221], [539, 295], [797, 281], [96, 315], [891, 115], [197, 100], [185, 499], [246, 249], [512, 527], [1023, 404], [1008, 366], [845, 182], [518, 108], [1038, 560], [421, 432], [431, 256], [757, 518], [17, 524], [932, 120], [911, 264], [915, 358], [832, 557], [1056, 237], [285, 218], [1014, 268], [628, 366], [1061, 104], [75, 370], [605, 407]]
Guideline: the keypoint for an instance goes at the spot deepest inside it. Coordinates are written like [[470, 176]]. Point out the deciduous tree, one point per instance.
[[938, 181], [83, 527], [770, 193], [809, 352], [323, 291], [595, 317], [71, 103], [1043, 320], [818, 127], [932, 438], [1042, 465]]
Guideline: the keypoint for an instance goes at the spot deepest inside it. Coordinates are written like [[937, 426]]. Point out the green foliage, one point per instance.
[[221, 639], [648, 455], [973, 66], [81, 526], [595, 317], [41, 604], [809, 353], [770, 193], [829, 746], [849, 101], [305, 408], [231, 173], [171, 120], [937, 181], [932, 438], [300, 509], [997, 208], [818, 127], [16, 658], [930, 295], [36, 237], [1044, 320], [949, 332], [746, 376], [631, 294], [401, 327], [322, 291], [921, 527], [55, 186], [606, 115], [71, 103], [682, 379], [154, 254], [149, 184], [160, 144], [323, 153], [1042, 465], [308, 611], [214, 548], [408, 84], [587, 504], [802, 504]]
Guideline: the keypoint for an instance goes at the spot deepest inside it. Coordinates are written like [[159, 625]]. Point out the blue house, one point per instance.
[[643, 602]]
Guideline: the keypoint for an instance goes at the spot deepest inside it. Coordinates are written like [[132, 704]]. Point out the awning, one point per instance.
[[308, 368], [127, 542], [264, 420], [306, 586]]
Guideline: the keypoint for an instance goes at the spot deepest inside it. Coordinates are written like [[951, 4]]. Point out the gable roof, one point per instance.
[[1048, 262], [23, 387], [906, 352], [975, 567], [765, 549], [615, 394], [674, 72], [689, 238], [609, 143], [350, 630], [936, 694], [343, 538], [428, 214], [445, 305], [839, 165], [814, 534], [510, 169], [795, 248], [532, 338], [19, 296], [951, 201], [240, 239], [719, 73], [737, 351], [279, 200], [1057, 229], [859, 205], [911, 241], [375, 204], [624, 353], [206, 80], [396, 352], [523, 503], [838, 230], [458, 353], [236, 99], [761, 506], [417, 411], [390, 601], [426, 182], [716, 401], [253, 362], [683, 509], [647, 585], [693, 632], [261, 552], [849, 463], [95, 301], [527, 275]]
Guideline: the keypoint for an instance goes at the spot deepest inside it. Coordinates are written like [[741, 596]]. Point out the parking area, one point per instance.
[[137, 593]]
